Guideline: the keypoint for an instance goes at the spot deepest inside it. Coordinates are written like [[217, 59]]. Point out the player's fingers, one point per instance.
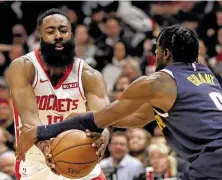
[[52, 167], [21, 156], [100, 151], [97, 143], [93, 134], [19, 128], [48, 157], [54, 171], [18, 154]]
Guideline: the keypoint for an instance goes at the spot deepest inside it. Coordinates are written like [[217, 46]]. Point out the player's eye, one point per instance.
[[63, 30], [50, 32]]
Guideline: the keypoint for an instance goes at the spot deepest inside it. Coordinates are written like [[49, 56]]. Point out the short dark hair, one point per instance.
[[119, 133], [182, 43], [50, 12]]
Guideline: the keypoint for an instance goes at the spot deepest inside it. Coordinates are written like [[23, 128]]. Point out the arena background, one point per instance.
[[118, 39]]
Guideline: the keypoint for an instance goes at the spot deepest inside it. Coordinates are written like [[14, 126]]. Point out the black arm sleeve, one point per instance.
[[81, 122]]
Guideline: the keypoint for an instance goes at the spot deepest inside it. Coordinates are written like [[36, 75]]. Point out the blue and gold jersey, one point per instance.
[[194, 123]]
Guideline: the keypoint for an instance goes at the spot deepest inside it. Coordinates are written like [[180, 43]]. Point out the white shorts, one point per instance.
[[37, 170]]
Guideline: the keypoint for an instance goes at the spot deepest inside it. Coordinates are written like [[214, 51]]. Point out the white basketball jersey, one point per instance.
[[55, 103]]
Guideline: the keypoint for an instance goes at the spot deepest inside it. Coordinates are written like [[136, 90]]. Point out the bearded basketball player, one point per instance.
[[48, 85]]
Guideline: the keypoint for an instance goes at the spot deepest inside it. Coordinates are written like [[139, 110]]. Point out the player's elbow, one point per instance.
[[140, 121]]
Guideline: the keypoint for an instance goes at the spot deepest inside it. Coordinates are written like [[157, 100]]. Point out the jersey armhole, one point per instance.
[[35, 81], [80, 80], [171, 75], [168, 72]]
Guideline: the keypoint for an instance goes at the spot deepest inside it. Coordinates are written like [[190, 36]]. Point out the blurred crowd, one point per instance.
[[118, 38]]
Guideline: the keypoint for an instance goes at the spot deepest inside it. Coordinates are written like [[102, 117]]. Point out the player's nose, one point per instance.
[[58, 36]]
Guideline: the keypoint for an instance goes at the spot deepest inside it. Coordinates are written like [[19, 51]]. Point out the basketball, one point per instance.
[[73, 154]]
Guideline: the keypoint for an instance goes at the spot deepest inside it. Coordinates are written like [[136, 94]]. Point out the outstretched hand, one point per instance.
[[26, 140], [101, 141], [45, 147]]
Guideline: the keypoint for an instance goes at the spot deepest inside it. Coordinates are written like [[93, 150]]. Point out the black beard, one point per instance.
[[160, 67], [58, 58]]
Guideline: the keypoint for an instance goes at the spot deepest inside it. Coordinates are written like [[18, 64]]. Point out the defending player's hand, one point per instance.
[[101, 141], [26, 140], [45, 147]]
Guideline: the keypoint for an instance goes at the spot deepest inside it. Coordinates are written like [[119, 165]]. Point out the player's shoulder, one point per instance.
[[21, 62], [22, 67], [90, 74], [92, 79], [154, 79], [158, 83]]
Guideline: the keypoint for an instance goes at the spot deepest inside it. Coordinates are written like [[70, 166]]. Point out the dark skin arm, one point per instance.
[[134, 106]]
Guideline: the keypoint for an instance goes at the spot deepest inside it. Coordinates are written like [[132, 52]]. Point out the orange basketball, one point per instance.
[[73, 154]]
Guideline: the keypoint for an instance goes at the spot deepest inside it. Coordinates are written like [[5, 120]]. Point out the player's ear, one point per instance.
[[167, 55]]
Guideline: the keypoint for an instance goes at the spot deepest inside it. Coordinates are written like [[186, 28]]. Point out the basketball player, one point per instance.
[[183, 96], [48, 85]]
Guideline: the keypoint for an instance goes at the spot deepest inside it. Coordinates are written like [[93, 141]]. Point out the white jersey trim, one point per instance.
[[35, 81], [168, 72], [81, 62], [165, 115]]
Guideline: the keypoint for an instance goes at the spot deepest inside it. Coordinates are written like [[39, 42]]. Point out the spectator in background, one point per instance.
[[216, 62], [7, 163], [164, 165], [113, 70], [84, 47], [131, 69], [10, 52], [6, 121], [121, 85], [96, 23], [122, 82], [73, 18], [157, 131], [202, 54], [34, 40], [4, 112], [189, 20], [158, 140], [124, 166], [4, 176], [20, 36], [3, 139], [3, 64], [134, 17], [105, 44], [15, 52], [147, 64], [213, 63], [4, 90], [137, 144], [208, 31]]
